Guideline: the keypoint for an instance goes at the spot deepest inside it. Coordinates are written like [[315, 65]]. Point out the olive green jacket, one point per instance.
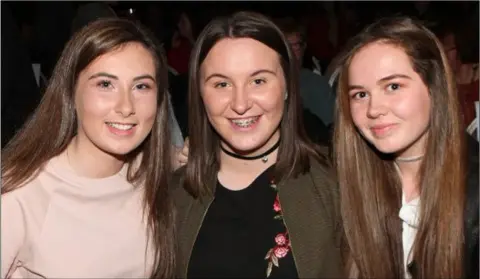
[[310, 206]]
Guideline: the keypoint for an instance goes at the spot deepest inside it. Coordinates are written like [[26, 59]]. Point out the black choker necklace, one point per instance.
[[263, 156]]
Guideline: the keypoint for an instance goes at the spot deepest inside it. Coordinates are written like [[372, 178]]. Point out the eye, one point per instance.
[[104, 84], [142, 86], [222, 84], [393, 86], [359, 95], [259, 81]]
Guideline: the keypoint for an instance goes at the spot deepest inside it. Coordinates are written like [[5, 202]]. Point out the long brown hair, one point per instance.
[[295, 148], [53, 125], [370, 186]]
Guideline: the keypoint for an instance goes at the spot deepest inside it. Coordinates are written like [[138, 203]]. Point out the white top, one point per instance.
[[61, 225], [409, 215]]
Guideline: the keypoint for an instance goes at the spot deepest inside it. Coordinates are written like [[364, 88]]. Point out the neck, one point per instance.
[[408, 171], [91, 162], [229, 163], [232, 161]]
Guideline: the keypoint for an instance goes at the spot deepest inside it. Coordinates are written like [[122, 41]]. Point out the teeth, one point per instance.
[[245, 122], [123, 127]]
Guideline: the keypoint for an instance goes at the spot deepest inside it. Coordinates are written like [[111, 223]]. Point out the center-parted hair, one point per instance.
[[370, 186], [53, 125], [295, 148]]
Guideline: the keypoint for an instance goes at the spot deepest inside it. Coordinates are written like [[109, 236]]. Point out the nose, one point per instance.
[[377, 106], [240, 101], [125, 105]]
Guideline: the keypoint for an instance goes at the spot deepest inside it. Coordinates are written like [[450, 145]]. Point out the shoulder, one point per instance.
[[323, 174], [27, 204], [33, 193]]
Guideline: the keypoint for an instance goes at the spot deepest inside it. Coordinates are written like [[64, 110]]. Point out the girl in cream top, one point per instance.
[[84, 182], [62, 225]]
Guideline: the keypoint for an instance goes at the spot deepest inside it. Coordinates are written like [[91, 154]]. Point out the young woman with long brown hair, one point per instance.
[[256, 199], [409, 187], [84, 183]]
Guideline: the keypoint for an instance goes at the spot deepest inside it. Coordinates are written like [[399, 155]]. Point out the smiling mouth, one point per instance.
[[121, 126], [245, 122], [381, 130]]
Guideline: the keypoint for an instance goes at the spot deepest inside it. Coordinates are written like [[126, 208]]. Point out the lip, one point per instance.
[[242, 129], [246, 117], [382, 129], [119, 132]]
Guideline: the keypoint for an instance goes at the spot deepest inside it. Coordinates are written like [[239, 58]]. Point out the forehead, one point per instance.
[[131, 57], [378, 60], [240, 56]]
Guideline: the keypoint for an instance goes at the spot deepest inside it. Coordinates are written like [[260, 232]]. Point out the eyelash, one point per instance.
[[258, 81], [355, 96], [104, 84], [262, 81], [145, 86], [398, 86], [218, 84]]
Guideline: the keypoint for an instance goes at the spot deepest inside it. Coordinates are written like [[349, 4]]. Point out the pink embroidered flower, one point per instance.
[[280, 251], [276, 205], [281, 239]]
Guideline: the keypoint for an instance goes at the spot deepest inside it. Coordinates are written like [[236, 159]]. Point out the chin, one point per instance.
[[386, 146], [245, 146], [120, 149]]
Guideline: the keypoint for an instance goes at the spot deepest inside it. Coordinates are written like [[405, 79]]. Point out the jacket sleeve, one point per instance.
[[13, 232]]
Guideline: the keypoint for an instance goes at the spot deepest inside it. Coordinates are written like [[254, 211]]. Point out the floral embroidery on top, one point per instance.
[[282, 240]]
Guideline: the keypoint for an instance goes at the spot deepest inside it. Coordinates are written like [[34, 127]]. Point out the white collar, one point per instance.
[[409, 212]]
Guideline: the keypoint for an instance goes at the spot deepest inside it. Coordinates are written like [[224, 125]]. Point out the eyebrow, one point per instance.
[[382, 80], [103, 74], [251, 75]]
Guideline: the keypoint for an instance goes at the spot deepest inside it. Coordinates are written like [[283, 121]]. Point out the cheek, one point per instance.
[[215, 104], [146, 107], [272, 100], [414, 106], [89, 106], [358, 113]]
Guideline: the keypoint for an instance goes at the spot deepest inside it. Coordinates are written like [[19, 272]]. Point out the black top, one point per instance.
[[239, 230]]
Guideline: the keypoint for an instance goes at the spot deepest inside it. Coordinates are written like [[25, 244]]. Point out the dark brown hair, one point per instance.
[[53, 125], [295, 148], [370, 186]]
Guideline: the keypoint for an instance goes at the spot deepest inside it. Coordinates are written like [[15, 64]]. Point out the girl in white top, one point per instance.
[[84, 182], [399, 153]]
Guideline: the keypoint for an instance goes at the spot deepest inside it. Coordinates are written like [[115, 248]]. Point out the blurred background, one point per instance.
[[35, 32]]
